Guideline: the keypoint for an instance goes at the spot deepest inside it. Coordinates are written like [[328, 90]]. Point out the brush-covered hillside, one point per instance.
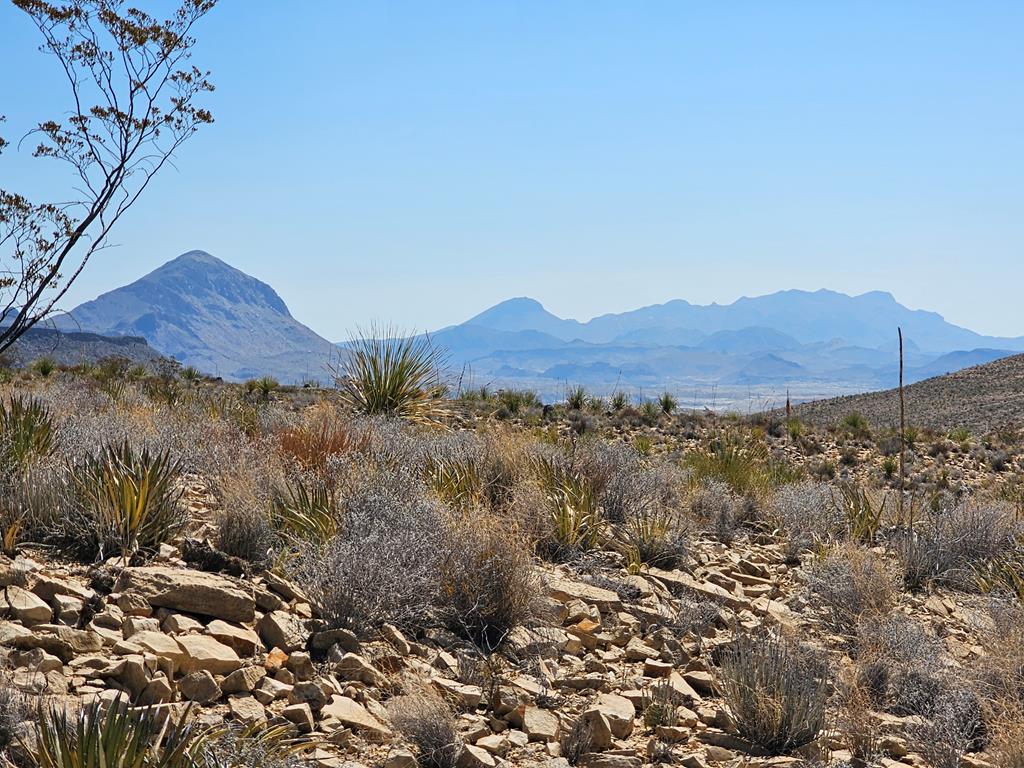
[[214, 575]]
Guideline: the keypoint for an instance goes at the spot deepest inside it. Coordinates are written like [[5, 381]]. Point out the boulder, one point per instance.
[[200, 687], [180, 589], [282, 630], [202, 652], [345, 712]]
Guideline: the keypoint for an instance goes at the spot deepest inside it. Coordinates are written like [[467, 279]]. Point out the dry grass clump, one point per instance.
[[424, 720], [320, 436], [488, 584], [852, 583], [776, 690], [807, 513], [716, 506], [14, 711], [957, 539]]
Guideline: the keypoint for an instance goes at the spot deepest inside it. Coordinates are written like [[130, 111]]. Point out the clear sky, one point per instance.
[[420, 161]]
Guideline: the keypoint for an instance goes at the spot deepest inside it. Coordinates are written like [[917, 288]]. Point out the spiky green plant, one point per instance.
[[262, 387], [667, 403], [385, 373], [576, 398], [191, 374], [112, 736], [130, 498], [26, 431], [457, 481], [44, 366], [654, 536], [577, 524], [306, 511], [649, 412], [516, 400], [618, 401]]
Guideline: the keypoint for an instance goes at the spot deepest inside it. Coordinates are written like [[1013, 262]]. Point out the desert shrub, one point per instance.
[[113, 734], [488, 584], [953, 728], [744, 466], [776, 690], [14, 710], [128, 502], [955, 540], [714, 504], [318, 438], [26, 431], [852, 583], [900, 666], [618, 401], [384, 373], [260, 389], [253, 746], [424, 720], [808, 515], [33, 504], [655, 535], [383, 564], [626, 483], [247, 533]]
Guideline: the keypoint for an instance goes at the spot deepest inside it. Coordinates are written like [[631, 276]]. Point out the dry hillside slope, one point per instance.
[[983, 399]]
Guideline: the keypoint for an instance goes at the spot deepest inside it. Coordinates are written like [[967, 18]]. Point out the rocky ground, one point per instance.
[[621, 663]]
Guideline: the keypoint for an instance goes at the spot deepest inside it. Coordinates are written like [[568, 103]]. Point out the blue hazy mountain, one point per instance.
[[206, 313]]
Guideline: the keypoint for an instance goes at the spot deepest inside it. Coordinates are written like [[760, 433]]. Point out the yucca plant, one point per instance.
[[26, 430], [130, 499], [577, 524], [44, 366], [576, 398], [667, 403], [457, 481], [863, 510], [618, 401], [191, 374], [654, 536], [251, 746], [649, 412], [384, 373], [262, 387], [306, 511], [112, 736], [515, 400]]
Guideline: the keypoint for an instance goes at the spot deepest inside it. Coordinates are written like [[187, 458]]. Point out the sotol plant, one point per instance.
[[26, 430], [385, 373]]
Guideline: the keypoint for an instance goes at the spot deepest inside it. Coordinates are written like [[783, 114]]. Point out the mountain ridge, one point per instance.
[[206, 313]]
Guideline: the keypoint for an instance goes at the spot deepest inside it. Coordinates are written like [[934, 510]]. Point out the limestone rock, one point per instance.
[[207, 594]]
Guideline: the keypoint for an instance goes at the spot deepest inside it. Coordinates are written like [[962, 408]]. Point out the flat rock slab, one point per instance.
[[181, 589]]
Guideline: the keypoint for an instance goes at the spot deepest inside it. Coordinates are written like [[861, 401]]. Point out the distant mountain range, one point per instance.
[[815, 343], [206, 313]]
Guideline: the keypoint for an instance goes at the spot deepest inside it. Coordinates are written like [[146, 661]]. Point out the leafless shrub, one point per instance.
[[14, 710], [955, 540], [776, 689], [424, 720], [383, 565], [808, 515], [900, 666], [719, 508], [852, 582], [576, 740], [952, 729], [488, 584]]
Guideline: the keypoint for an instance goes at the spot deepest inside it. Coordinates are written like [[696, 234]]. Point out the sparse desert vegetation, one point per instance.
[[389, 574]]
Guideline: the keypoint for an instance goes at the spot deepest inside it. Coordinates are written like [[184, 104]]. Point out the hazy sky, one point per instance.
[[420, 161]]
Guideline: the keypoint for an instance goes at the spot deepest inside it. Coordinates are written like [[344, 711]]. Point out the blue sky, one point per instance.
[[418, 162]]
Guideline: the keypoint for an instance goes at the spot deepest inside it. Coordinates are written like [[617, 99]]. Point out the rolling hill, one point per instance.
[[983, 398]]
